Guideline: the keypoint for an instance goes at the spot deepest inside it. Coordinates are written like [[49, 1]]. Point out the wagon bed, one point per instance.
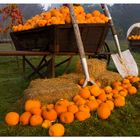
[[60, 40]]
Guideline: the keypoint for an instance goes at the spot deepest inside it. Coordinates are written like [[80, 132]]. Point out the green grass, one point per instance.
[[122, 122]]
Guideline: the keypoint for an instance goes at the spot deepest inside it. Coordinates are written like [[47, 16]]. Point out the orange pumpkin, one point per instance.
[[116, 83], [25, 118], [108, 89], [36, 120], [103, 111], [132, 90], [82, 116], [36, 111], [96, 13], [102, 97], [72, 108], [95, 90], [80, 101], [125, 81], [123, 92], [119, 88], [111, 104], [29, 104], [67, 117], [56, 130], [93, 105], [60, 108], [49, 114], [84, 108], [46, 123], [50, 106], [76, 97], [43, 107], [134, 79], [63, 102], [98, 101], [84, 93], [119, 101], [92, 98], [109, 96], [12, 118]]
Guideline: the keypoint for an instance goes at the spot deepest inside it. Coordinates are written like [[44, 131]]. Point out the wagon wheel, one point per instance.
[[103, 54], [106, 52]]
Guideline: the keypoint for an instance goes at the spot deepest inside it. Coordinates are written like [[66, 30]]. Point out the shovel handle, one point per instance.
[[77, 32], [117, 44], [80, 46]]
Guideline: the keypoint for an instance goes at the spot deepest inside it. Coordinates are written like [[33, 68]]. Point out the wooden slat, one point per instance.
[[31, 53], [22, 53]]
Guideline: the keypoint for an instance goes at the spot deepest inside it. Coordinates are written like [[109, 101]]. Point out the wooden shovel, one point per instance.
[[80, 46], [123, 61]]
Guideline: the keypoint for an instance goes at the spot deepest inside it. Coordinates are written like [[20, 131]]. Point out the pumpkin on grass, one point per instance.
[[36, 120], [123, 92], [84, 108], [49, 114], [29, 104], [95, 90], [73, 108], [36, 111], [12, 118], [132, 90], [76, 97], [67, 117], [108, 89], [103, 111], [25, 118], [102, 97], [82, 116], [99, 101], [46, 123], [50, 106], [93, 105], [63, 102], [59, 108], [110, 104], [92, 98], [80, 101], [119, 101], [84, 93], [56, 130]]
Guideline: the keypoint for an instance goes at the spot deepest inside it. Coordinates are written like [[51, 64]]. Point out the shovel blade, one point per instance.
[[128, 67]]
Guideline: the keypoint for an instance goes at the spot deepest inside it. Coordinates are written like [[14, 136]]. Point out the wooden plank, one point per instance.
[[22, 53]]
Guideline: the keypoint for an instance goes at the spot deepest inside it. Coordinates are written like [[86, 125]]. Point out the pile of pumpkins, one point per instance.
[[61, 16], [92, 98], [134, 37]]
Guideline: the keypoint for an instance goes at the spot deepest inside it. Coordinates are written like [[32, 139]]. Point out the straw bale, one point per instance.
[[95, 67], [73, 77], [50, 90], [66, 86], [107, 77]]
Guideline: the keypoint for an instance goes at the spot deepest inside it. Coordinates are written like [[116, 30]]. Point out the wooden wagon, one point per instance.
[[60, 40]]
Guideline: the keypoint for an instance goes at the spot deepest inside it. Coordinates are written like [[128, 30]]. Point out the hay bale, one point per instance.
[[73, 77], [107, 77], [65, 86], [95, 67], [98, 69], [51, 90]]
